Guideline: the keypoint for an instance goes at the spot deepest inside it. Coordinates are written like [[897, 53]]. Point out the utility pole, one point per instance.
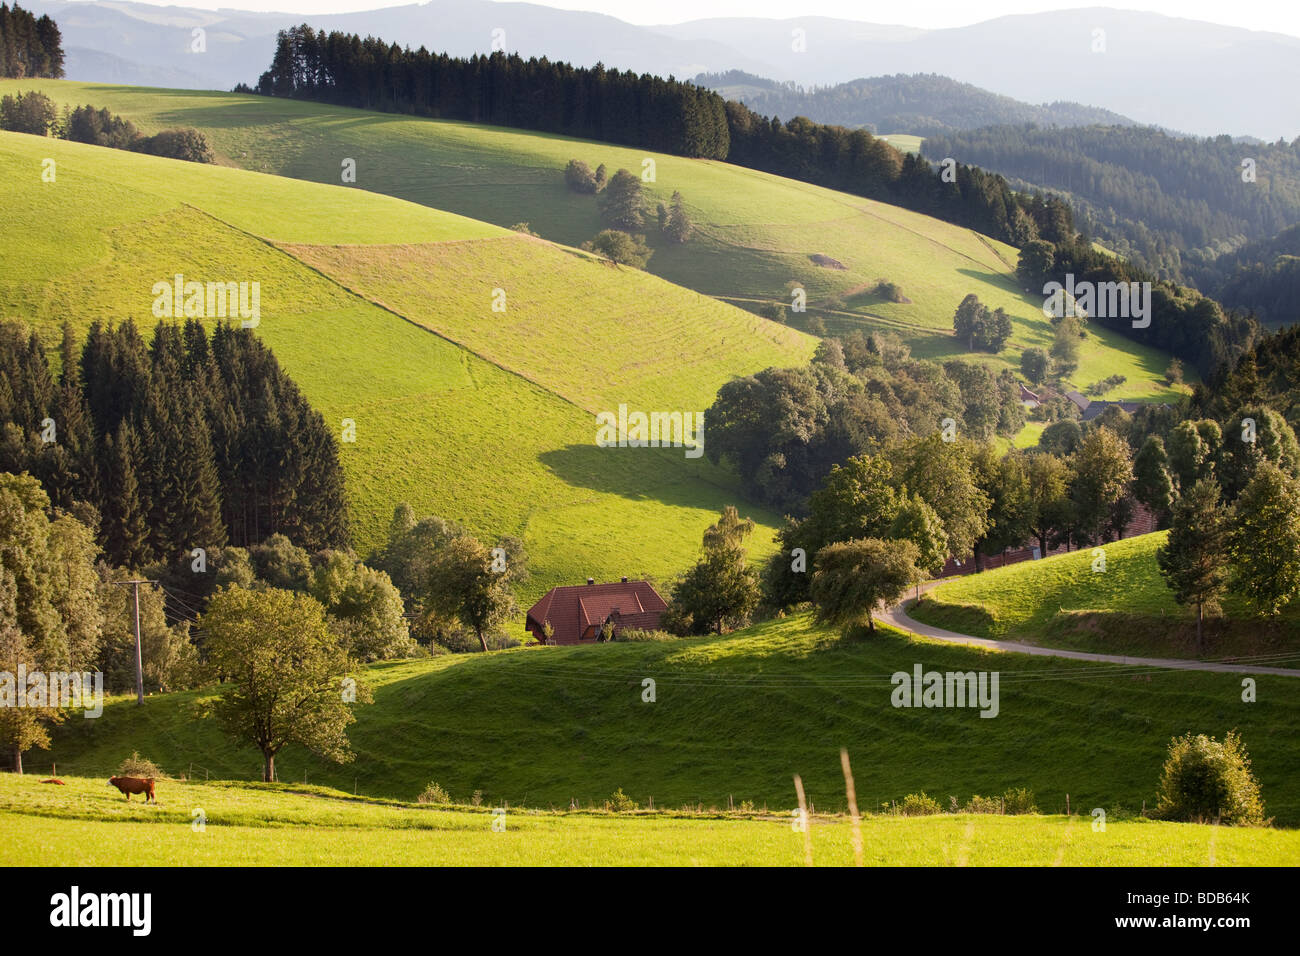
[[139, 665]]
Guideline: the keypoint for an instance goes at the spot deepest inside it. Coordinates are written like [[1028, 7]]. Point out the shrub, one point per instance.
[[433, 793], [677, 224], [620, 247], [1019, 800], [889, 291], [462, 641], [187, 144], [978, 804], [1106, 384], [137, 766], [1204, 780], [525, 228], [919, 805], [579, 177], [620, 802], [634, 635]]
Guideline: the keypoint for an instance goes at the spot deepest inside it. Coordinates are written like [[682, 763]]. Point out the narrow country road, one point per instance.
[[898, 617]]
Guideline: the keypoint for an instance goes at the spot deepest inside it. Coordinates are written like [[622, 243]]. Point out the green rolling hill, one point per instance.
[[754, 232], [1125, 609], [386, 318], [735, 715]]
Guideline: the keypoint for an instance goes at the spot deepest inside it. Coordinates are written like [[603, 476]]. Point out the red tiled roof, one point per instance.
[[573, 611]]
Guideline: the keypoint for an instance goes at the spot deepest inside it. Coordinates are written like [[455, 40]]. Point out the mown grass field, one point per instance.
[[1126, 609], [754, 232], [86, 823], [485, 417], [734, 718], [904, 142]]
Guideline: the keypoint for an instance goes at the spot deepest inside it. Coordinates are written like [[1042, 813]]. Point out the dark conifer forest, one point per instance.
[[665, 115], [188, 440]]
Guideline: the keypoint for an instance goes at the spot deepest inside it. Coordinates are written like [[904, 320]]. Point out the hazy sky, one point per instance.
[[1279, 16]]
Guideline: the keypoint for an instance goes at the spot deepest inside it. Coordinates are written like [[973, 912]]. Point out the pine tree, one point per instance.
[[125, 531]]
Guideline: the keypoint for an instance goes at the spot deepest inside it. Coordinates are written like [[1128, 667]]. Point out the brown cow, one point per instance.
[[130, 785], [55, 780]]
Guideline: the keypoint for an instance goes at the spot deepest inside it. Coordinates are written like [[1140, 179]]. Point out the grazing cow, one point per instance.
[[130, 785]]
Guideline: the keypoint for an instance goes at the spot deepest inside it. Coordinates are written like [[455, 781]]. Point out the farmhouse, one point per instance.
[[577, 613], [1090, 408]]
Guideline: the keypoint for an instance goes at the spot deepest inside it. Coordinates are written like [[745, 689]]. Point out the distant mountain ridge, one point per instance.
[[920, 103]]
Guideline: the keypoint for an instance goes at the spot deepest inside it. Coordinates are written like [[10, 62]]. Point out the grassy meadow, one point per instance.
[[86, 823], [734, 717], [754, 232], [485, 417], [1125, 609]]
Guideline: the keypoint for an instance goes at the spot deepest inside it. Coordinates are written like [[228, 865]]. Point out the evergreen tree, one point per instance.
[[125, 530], [677, 225]]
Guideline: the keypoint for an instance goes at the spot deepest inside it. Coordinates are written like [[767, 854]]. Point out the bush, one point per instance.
[[1019, 800], [978, 804], [525, 228], [620, 802], [187, 144], [919, 805], [634, 635], [1106, 384], [889, 291], [433, 793], [579, 177], [137, 766], [1206, 780], [620, 247], [461, 641]]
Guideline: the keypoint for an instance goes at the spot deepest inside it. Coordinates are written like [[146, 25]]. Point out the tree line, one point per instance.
[[191, 440], [1227, 489], [783, 429], [30, 46], [504, 90], [649, 112]]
